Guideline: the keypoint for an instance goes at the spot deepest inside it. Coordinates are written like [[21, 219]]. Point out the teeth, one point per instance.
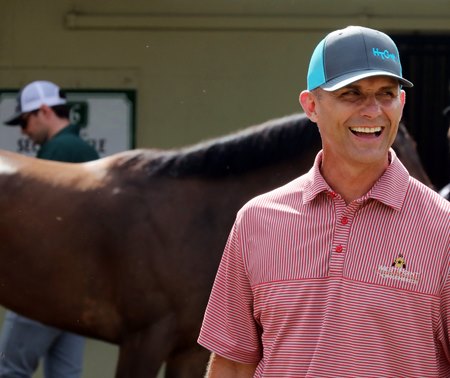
[[368, 130]]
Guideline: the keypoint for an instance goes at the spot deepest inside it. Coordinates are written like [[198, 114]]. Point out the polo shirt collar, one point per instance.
[[315, 183], [69, 129], [390, 188]]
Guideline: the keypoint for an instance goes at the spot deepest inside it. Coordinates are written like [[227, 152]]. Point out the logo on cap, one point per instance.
[[383, 54]]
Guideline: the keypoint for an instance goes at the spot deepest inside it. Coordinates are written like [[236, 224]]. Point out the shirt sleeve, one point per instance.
[[229, 328]]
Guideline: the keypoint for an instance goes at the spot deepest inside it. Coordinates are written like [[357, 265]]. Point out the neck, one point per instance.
[[349, 180], [56, 127]]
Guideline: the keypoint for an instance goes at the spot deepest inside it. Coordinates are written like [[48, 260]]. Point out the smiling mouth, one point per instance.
[[366, 131]]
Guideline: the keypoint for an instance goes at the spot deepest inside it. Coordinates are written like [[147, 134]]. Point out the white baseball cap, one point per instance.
[[33, 96]]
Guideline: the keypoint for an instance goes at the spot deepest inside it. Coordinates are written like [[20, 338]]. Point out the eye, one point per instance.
[[347, 92], [387, 96], [350, 94]]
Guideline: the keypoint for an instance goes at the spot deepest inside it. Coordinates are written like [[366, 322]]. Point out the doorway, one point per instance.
[[426, 62]]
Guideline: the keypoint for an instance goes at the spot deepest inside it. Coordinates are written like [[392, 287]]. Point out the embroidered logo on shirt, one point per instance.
[[397, 271], [399, 262]]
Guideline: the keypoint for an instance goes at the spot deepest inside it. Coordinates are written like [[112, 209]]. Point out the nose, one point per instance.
[[371, 107]]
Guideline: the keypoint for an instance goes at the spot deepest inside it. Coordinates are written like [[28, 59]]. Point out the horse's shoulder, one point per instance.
[[12, 162]]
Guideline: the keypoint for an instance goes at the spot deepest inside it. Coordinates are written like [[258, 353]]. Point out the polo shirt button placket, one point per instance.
[[337, 260], [338, 255]]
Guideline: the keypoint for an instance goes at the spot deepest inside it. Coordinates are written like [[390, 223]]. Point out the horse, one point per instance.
[[125, 249]]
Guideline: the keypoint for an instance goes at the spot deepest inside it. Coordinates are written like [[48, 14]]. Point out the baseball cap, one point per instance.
[[33, 96], [351, 54]]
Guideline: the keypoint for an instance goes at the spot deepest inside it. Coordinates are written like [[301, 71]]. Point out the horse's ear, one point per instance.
[[308, 103]]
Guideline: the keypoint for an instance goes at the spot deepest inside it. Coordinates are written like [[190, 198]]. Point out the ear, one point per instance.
[[46, 110], [308, 103]]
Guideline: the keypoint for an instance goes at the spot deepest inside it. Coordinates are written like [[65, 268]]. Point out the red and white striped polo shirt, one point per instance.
[[311, 287]]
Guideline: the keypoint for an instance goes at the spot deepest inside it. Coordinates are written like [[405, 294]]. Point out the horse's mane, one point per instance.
[[268, 143]]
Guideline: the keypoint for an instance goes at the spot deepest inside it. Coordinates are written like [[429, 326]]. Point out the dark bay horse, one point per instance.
[[125, 249]]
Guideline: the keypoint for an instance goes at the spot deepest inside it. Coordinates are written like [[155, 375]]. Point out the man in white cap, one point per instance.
[[43, 115], [343, 272]]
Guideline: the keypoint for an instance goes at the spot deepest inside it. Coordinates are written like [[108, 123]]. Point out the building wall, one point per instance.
[[200, 68]]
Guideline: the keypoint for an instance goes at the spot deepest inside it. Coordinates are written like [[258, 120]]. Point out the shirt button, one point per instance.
[[344, 220], [339, 249], [332, 194]]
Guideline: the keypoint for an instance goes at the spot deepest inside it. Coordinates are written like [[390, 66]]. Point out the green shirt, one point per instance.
[[67, 146]]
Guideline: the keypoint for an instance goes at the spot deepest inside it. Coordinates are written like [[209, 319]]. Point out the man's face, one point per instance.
[[358, 123], [34, 127]]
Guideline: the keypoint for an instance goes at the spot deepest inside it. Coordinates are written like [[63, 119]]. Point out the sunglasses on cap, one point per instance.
[[23, 121]]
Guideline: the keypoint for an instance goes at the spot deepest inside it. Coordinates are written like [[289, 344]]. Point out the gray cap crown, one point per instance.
[[352, 54]]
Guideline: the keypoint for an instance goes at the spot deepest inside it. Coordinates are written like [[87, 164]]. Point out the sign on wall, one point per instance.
[[106, 119]]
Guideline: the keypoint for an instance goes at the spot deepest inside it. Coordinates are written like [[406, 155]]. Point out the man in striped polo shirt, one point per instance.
[[343, 272]]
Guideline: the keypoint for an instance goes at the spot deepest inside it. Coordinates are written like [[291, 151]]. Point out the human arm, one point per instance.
[[220, 367]]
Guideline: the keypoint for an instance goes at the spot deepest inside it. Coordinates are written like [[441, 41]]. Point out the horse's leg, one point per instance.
[[143, 351], [189, 363]]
